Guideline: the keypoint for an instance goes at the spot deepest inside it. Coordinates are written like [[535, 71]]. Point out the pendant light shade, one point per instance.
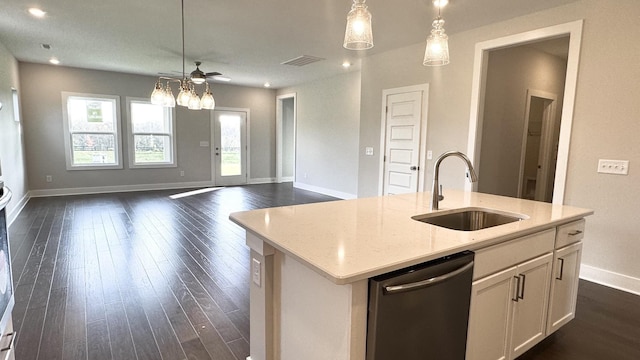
[[158, 94], [437, 51], [207, 101], [185, 94], [358, 34]]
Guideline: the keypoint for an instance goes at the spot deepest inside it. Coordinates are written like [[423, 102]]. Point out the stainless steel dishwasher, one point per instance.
[[421, 312]]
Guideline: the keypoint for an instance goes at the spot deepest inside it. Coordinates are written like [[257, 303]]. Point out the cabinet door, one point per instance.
[[530, 311], [564, 286], [490, 316]]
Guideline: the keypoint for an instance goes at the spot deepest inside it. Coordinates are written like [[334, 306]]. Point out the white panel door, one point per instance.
[[402, 142], [230, 147]]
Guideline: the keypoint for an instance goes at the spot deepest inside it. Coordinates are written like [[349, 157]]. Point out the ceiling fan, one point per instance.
[[199, 77]]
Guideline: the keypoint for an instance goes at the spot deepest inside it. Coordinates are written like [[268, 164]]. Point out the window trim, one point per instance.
[[67, 132], [131, 142]]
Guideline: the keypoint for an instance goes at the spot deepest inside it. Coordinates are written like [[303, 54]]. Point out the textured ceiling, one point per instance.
[[246, 40]]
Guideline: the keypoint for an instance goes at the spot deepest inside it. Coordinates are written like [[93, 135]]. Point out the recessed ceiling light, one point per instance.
[[54, 61], [346, 64], [37, 12], [440, 3], [267, 84]]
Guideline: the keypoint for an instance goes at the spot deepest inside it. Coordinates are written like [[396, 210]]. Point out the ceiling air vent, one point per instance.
[[302, 60]]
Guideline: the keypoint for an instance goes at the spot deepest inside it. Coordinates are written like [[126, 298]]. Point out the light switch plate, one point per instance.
[[368, 151], [256, 272], [616, 167], [204, 144]]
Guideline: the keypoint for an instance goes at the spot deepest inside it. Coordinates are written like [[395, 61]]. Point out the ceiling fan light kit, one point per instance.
[[187, 96]]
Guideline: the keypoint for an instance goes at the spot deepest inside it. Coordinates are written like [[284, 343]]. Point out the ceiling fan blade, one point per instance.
[[215, 73]]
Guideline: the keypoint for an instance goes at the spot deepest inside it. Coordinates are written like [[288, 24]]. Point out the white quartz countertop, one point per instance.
[[350, 240]]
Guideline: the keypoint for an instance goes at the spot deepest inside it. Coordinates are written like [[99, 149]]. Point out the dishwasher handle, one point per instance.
[[393, 289]]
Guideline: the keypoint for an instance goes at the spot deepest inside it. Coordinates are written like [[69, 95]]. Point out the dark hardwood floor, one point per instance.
[[143, 276], [136, 275]]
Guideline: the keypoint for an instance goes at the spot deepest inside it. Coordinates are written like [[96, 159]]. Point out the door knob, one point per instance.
[[414, 168]]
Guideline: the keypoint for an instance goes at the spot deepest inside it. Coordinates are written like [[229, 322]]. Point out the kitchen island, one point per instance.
[[311, 263]]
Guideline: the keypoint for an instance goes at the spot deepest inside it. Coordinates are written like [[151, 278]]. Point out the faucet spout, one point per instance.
[[436, 191]]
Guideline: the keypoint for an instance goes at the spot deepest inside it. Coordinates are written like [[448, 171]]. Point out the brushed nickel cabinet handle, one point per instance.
[[561, 268]]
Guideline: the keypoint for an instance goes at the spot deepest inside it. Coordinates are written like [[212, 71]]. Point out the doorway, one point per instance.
[[229, 150], [477, 137], [285, 137], [404, 132], [538, 155]]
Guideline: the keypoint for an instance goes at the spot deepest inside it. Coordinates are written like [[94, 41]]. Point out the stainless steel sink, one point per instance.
[[469, 219]]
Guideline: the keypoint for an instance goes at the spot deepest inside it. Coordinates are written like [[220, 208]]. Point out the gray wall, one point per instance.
[[328, 117], [42, 86], [12, 159], [605, 119], [510, 73]]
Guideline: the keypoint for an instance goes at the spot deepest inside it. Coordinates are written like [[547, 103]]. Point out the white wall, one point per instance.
[[605, 120], [12, 158], [510, 73], [42, 86], [328, 118]]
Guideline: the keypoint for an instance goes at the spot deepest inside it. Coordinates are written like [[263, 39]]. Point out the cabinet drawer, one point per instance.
[[570, 233], [512, 252]]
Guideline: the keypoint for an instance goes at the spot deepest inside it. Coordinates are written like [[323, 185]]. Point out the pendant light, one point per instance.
[[358, 34], [437, 50], [187, 96]]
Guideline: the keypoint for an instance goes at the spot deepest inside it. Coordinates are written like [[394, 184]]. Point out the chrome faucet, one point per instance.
[[436, 190]]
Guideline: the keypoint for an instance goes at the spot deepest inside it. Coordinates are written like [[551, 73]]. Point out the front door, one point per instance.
[[230, 147], [402, 142]]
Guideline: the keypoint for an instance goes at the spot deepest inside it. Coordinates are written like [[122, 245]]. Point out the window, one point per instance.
[[16, 105], [151, 134], [92, 131]]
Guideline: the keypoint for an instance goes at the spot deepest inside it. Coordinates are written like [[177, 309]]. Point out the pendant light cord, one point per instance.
[[183, 73]]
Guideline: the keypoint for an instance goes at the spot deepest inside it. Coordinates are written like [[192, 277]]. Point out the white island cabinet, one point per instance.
[[310, 266]]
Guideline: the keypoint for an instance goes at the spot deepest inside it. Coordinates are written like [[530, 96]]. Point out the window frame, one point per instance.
[[68, 134], [131, 137]]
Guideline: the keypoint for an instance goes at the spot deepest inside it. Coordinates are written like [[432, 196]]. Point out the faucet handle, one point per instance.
[[440, 196]]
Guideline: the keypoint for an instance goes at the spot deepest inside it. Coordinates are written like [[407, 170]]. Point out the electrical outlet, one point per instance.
[[256, 272], [181, 172], [49, 178], [368, 151], [429, 154], [616, 167]]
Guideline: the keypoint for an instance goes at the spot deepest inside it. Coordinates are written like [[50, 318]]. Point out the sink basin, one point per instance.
[[469, 219]]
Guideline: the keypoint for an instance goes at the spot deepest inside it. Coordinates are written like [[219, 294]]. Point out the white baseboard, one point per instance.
[[285, 179], [11, 216], [261, 181], [324, 191], [118, 188], [611, 279]]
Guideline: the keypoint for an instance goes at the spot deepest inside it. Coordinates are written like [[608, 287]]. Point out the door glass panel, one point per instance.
[[230, 145]]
